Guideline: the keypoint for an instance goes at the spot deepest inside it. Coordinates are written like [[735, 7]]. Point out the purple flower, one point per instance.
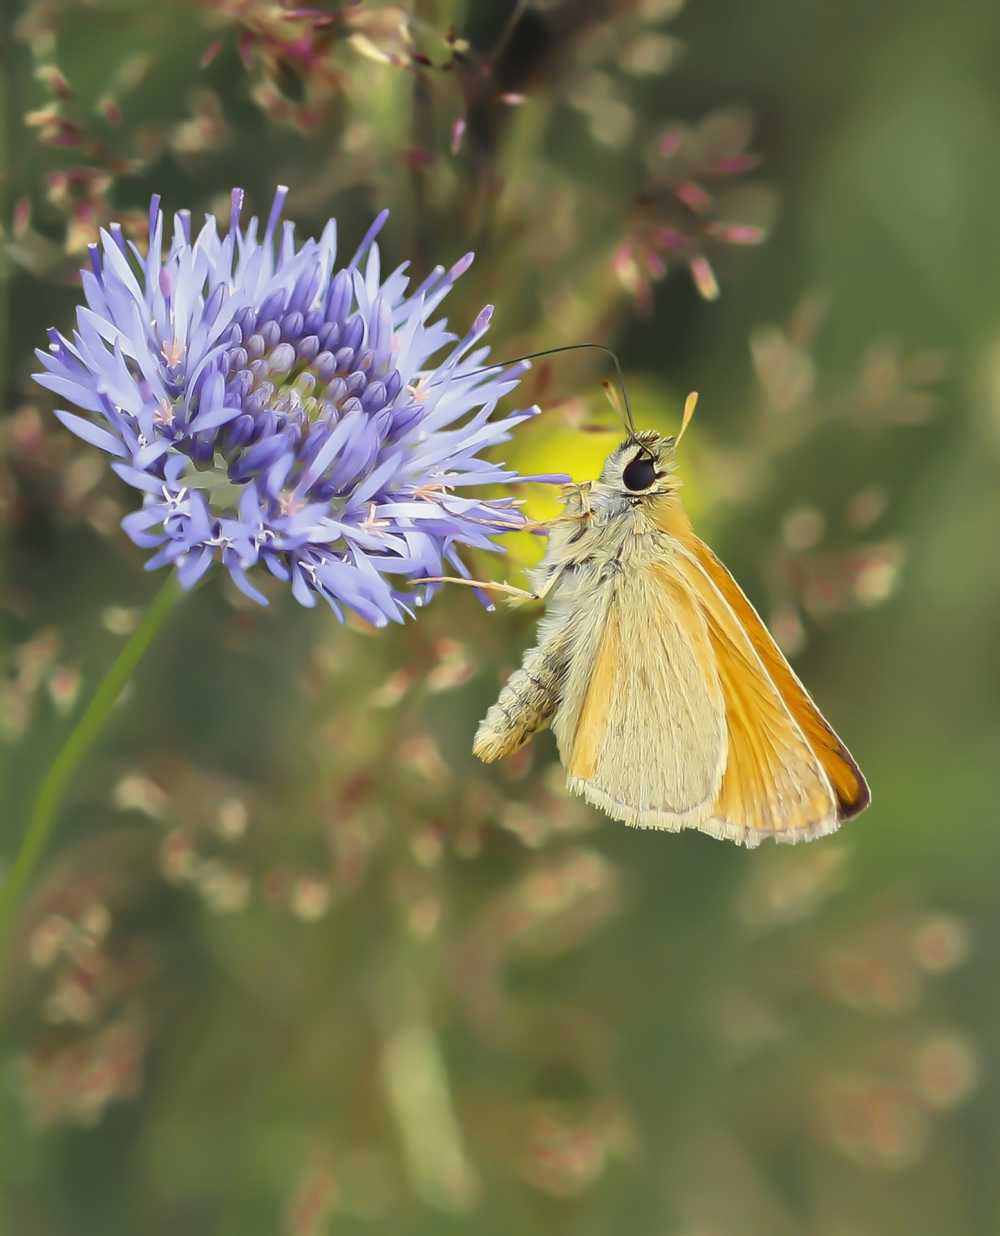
[[277, 412]]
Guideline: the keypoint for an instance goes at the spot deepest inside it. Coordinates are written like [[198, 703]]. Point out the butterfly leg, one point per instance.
[[576, 512], [576, 501], [487, 585], [511, 590]]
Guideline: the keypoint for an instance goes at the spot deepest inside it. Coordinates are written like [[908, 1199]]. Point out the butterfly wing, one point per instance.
[[732, 615], [641, 726], [681, 712]]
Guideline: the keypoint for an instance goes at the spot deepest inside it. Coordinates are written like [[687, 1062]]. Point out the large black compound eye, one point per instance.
[[640, 473]]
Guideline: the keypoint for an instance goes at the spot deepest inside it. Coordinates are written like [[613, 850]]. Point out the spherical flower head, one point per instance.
[[277, 412]]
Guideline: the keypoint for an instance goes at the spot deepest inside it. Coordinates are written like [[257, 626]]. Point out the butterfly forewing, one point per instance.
[[844, 774], [774, 784]]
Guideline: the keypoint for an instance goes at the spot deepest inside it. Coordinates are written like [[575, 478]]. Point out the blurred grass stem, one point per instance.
[[509, 26], [80, 740], [419, 1094]]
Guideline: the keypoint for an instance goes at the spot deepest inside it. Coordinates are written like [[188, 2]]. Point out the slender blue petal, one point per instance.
[[92, 433]]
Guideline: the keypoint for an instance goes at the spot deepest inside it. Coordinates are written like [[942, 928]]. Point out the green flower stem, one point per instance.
[[81, 738]]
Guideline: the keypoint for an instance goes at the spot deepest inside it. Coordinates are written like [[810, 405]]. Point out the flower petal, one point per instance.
[[92, 433]]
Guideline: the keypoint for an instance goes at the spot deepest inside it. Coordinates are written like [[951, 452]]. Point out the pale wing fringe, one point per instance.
[[721, 830]]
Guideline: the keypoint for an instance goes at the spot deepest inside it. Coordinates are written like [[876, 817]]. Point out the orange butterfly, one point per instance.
[[671, 704]]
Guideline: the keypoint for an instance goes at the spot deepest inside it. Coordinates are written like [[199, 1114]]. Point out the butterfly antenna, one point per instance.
[[689, 406], [624, 410]]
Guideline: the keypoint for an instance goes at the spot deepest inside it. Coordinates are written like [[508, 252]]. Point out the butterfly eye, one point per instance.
[[640, 473]]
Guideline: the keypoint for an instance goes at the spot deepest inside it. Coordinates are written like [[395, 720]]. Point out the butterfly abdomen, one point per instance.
[[525, 706]]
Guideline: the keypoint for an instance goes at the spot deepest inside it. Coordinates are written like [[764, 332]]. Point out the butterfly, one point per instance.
[[671, 704]]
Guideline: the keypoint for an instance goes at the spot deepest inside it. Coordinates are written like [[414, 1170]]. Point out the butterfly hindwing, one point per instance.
[[640, 727]]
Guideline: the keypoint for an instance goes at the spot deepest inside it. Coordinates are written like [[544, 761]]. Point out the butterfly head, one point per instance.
[[641, 467]]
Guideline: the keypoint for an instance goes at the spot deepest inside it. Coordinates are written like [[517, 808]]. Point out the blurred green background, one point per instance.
[[294, 963]]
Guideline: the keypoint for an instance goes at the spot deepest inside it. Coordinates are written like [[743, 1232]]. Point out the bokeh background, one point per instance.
[[294, 962]]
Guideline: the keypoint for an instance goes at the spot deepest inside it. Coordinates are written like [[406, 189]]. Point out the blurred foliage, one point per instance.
[[296, 963]]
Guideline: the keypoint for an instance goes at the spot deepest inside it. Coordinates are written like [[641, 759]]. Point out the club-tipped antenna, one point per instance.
[[626, 407], [689, 406]]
